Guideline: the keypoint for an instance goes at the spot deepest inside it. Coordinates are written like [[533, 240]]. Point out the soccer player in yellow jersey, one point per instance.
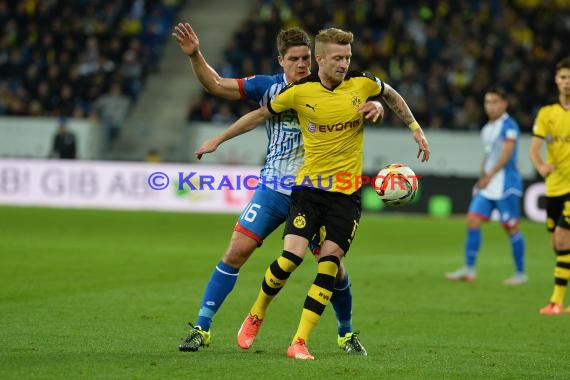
[[327, 105], [268, 207], [552, 125]]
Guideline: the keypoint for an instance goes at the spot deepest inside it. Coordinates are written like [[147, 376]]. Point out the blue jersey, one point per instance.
[[285, 146], [508, 180]]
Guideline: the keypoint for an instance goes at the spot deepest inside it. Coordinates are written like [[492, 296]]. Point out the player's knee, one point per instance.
[[511, 229], [561, 239], [236, 258], [239, 252], [341, 272], [474, 221]]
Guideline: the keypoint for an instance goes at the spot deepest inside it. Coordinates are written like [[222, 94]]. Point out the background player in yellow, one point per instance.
[[552, 126], [327, 105]]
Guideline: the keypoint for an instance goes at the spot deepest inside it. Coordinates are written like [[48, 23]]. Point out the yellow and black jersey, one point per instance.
[[553, 125], [332, 128]]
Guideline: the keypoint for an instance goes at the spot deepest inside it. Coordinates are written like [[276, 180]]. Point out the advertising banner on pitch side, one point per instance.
[[126, 185]]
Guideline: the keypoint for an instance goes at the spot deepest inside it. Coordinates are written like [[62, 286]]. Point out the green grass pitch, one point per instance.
[[107, 294]]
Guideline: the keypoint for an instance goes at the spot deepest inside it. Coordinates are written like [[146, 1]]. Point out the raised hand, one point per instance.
[[186, 38]]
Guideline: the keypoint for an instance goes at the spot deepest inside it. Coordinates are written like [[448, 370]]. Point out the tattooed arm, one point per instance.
[[400, 107], [397, 104]]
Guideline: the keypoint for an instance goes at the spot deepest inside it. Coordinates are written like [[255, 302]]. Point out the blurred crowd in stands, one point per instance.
[[441, 55], [90, 58], [81, 58]]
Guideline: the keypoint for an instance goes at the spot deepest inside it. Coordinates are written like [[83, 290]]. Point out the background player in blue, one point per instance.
[[500, 188], [268, 208]]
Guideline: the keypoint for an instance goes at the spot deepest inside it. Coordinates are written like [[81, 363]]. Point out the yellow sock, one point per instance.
[[318, 297], [558, 294], [275, 279], [561, 276], [309, 320]]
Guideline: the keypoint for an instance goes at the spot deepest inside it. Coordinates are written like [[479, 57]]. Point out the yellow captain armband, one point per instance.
[[413, 126]]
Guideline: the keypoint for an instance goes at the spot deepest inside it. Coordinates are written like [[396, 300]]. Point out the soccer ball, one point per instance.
[[396, 184]]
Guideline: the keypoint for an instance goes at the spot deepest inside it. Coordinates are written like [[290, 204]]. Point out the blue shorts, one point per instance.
[[266, 210], [509, 208]]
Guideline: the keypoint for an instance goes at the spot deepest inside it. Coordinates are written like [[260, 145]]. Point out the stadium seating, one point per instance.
[[58, 57], [441, 56]]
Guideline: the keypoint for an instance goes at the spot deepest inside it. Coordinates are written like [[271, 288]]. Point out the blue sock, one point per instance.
[[517, 248], [472, 245], [220, 285], [342, 304]]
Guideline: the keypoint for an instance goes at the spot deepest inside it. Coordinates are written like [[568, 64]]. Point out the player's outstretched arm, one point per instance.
[[400, 107], [397, 104], [244, 124], [213, 83]]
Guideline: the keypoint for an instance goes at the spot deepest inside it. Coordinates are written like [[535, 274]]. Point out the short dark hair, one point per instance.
[[499, 91], [564, 63], [288, 38]]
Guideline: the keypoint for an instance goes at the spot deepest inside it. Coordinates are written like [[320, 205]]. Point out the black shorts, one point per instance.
[[312, 208], [558, 212]]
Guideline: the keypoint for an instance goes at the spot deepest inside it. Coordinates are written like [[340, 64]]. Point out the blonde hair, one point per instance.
[[332, 36]]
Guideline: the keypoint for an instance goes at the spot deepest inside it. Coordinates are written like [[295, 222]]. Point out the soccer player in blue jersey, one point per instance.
[[498, 188], [268, 207]]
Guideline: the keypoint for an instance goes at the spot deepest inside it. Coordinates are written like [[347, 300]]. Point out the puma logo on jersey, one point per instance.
[[311, 107]]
